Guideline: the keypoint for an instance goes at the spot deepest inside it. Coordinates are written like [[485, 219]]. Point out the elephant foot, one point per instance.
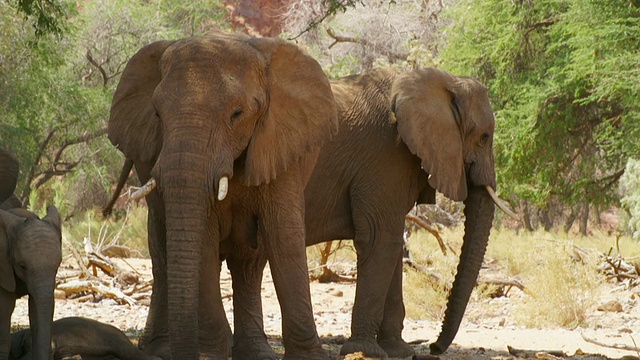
[[253, 349], [395, 347], [369, 347], [315, 354], [158, 348]]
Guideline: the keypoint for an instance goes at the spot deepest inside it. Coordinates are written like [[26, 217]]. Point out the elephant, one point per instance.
[[30, 254], [73, 336], [401, 137], [224, 131], [9, 170]]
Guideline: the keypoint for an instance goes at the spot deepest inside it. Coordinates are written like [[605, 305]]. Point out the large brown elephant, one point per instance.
[[30, 254], [401, 137], [229, 128]]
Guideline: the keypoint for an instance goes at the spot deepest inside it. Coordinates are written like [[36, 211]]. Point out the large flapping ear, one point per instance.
[[8, 222], [301, 112], [134, 126], [9, 169], [428, 117]]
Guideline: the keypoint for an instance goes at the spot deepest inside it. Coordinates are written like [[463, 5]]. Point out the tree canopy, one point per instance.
[[564, 79]]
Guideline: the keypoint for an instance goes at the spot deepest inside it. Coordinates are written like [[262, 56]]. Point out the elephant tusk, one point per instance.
[[144, 190], [501, 204], [223, 187]]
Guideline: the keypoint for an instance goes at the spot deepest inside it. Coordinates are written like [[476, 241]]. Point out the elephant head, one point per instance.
[[30, 254], [448, 122], [9, 168], [208, 110]]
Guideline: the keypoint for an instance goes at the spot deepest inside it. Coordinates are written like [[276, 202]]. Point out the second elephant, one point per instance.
[[401, 137]]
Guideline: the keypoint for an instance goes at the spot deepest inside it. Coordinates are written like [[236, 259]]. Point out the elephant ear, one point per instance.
[[8, 222], [427, 104], [9, 176], [134, 126], [300, 115], [53, 218]]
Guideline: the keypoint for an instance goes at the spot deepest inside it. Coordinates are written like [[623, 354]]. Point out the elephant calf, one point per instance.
[[30, 254], [77, 336]]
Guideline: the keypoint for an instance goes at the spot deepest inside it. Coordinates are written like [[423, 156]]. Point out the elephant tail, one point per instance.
[[124, 175]]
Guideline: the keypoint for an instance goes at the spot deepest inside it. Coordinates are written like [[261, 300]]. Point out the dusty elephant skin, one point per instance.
[[229, 128], [30, 254], [75, 336], [391, 126]]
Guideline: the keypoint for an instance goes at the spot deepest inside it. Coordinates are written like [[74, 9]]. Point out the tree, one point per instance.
[[563, 78], [46, 16], [56, 91]]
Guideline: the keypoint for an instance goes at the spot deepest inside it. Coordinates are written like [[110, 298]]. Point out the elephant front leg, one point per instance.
[[390, 334], [284, 234], [249, 339], [377, 260], [7, 304]]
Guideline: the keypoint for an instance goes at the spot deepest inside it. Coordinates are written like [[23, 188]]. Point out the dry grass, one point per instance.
[[128, 229], [560, 272]]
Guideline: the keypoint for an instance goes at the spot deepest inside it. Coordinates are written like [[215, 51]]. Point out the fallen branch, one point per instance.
[[508, 283], [422, 223], [614, 346], [539, 354], [82, 286]]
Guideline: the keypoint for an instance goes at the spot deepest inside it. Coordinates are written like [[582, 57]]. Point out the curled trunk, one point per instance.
[[479, 209]]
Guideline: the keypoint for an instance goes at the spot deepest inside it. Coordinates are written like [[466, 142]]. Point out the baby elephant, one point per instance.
[[30, 254], [76, 336]]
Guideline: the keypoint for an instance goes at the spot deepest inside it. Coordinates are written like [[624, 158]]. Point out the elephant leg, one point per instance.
[[7, 304], [155, 339], [249, 339], [390, 334], [214, 335], [379, 251], [284, 234]]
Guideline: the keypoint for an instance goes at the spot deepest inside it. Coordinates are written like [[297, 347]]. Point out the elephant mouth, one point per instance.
[[223, 189]]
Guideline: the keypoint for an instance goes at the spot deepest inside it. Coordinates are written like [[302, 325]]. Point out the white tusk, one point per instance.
[[501, 204], [223, 187], [144, 190]]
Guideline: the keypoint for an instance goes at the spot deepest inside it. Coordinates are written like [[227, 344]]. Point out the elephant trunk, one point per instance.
[[479, 209], [41, 307], [183, 181]]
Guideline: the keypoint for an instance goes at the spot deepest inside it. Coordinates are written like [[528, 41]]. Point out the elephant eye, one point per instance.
[[485, 138], [236, 115]]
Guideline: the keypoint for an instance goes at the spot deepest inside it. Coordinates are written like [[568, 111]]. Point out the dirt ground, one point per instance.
[[486, 332]]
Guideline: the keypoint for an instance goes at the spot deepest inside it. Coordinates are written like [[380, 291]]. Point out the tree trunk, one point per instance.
[[479, 209]]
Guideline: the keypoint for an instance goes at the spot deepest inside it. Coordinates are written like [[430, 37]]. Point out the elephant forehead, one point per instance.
[[212, 57]]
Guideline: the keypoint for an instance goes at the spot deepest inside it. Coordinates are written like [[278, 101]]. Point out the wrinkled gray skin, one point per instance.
[[391, 127], [191, 112], [30, 254], [72, 336]]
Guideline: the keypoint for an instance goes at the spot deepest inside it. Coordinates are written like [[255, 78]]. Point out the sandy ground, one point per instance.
[[486, 332]]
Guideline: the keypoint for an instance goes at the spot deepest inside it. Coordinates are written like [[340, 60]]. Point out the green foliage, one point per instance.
[[564, 82], [56, 91], [630, 189], [47, 16]]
